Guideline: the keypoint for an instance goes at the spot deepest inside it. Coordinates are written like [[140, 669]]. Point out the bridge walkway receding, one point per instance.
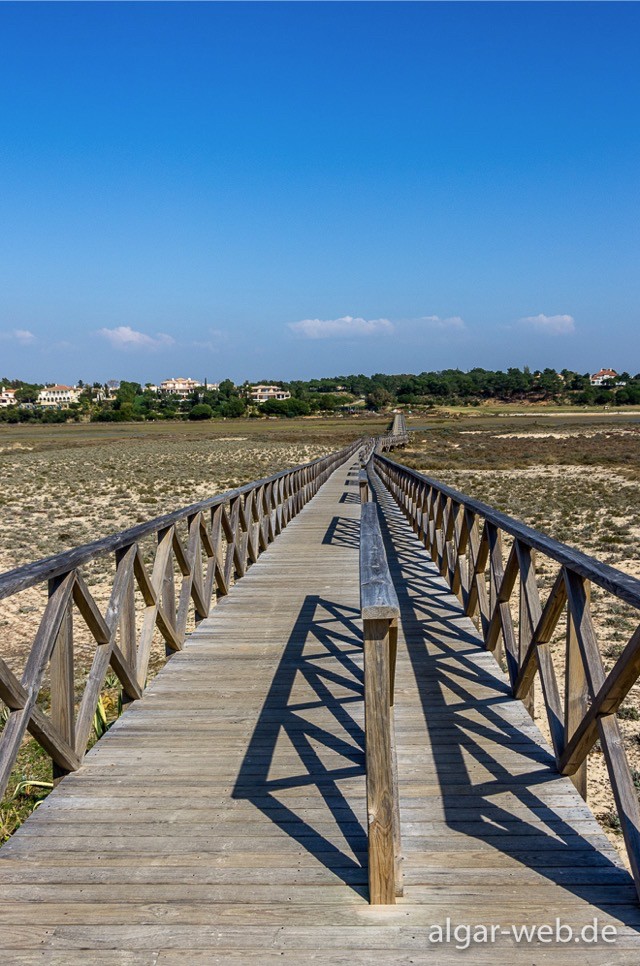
[[223, 817]]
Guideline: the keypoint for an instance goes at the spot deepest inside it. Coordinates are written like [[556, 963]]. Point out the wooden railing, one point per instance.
[[465, 540], [380, 612], [391, 441], [206, 545]]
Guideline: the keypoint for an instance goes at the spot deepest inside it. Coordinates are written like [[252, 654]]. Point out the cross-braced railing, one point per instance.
[[465, 540], [391, 441], [206, 545]]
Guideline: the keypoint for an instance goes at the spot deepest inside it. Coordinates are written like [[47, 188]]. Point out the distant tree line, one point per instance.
[[454, 387], [134, 402]]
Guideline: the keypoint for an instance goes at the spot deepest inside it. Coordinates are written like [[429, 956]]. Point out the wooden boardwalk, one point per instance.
[[222, 819]]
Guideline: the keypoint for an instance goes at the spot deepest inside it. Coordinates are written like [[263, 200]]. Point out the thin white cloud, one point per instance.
[[451, 324], [24, 336], [347, 327], [551, 324], [21, 336], [124, 337], [217, 338]]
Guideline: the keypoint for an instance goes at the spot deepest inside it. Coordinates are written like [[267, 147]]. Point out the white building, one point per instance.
[[181, 387], [58, 397], [8, 397], [604, 375], [261, 394]]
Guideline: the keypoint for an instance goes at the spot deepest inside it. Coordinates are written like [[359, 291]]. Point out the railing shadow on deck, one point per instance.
[[427, 608], [324, 632], [343, 530]]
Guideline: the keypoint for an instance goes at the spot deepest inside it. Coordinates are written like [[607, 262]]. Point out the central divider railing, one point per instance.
[[380, 613], [206, 545]]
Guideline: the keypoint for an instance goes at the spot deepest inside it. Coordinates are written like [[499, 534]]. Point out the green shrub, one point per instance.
[[201, 411]]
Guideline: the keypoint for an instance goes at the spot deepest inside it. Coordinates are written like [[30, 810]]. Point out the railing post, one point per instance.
[[167, 593], [363, 481], [529, 597], [61, 680], [380, 612], [381, 787], [128, 634], [397, 843], [576, 692]]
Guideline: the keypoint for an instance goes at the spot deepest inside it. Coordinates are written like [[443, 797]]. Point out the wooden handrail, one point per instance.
[[465, 540], [623, 585], [380, 612], [206, 545], [391, 441], [378, 599]]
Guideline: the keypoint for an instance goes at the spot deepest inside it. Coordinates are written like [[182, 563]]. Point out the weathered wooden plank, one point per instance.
[[378, 599], [576, 701], [61, 680], [381, 788]]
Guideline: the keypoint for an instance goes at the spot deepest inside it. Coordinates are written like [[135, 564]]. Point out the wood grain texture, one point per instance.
[[381, 789], [378, 598]]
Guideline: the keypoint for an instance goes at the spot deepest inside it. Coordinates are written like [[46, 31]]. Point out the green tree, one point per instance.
[[28, 393], [227, 389], [378, 398], [286, 407], [233, 407], [127, 393], [201, 411]]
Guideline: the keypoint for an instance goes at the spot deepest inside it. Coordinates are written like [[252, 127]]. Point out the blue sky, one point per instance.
[[295, 190]]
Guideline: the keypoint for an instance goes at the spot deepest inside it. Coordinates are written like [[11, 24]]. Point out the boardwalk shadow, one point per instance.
[[511, 799], [309, 739], [342, 530]]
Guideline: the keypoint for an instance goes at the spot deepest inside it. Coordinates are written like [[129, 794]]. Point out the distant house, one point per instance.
[[604, 375], [8, 397], [179, 386], [261, 394], [58, 397]]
